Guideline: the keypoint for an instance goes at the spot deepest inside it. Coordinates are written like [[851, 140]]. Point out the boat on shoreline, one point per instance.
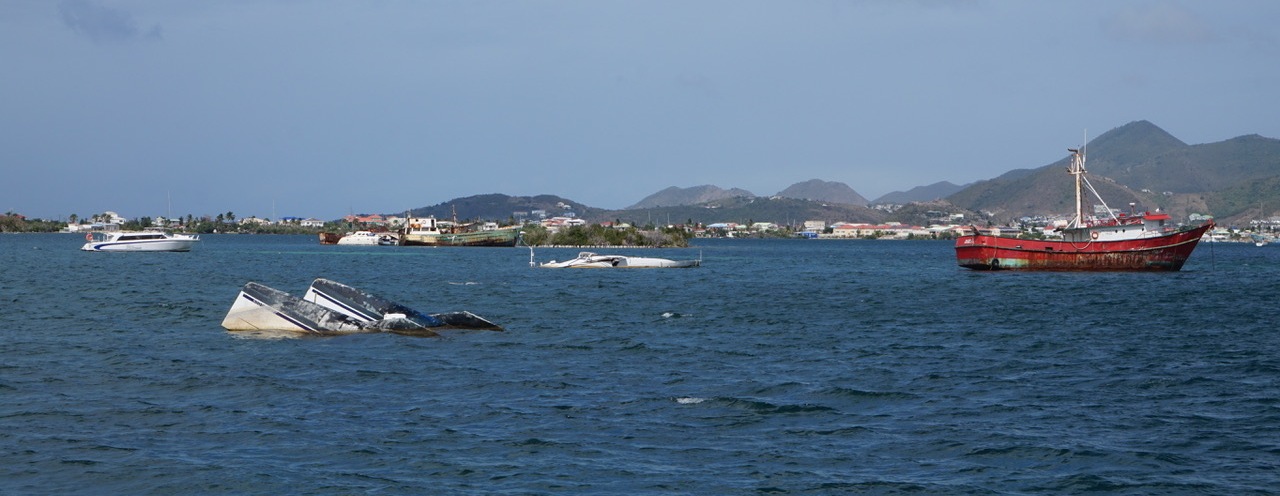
[[151, 240], [359, 238], [1134, 242], [426, 231]]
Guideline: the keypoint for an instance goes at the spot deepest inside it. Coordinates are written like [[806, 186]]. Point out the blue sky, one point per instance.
[[320, 108]]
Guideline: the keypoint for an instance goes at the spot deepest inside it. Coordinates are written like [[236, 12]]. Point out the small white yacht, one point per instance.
[[363, 238], [138, 241]]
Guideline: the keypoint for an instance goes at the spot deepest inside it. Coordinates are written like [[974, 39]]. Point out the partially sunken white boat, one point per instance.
[[138, 241], [588, 260], [333, 308]]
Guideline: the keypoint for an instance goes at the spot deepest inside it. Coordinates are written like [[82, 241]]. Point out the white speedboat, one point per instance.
[[588, 260], [138, 241], [361, 238]]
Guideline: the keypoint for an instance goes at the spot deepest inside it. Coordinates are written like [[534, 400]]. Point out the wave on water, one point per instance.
[[837, 367]]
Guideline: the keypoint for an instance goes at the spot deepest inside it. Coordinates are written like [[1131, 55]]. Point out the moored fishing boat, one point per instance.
[[426, 231], [1141, 242]]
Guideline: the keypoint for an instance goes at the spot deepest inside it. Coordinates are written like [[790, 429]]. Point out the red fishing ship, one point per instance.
[[1142, 242]]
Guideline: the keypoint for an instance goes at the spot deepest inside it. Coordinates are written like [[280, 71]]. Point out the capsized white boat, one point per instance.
[[589, 260], [138, 241], [262, 308], [334, 308], [367, 307]]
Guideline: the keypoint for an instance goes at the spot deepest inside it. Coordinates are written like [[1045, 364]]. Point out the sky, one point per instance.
[[318, 108]]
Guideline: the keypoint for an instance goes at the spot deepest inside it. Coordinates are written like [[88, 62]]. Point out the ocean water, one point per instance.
[[779, 366]]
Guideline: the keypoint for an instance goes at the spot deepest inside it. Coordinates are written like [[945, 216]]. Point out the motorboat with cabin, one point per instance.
[[359, 238], [150, 240]]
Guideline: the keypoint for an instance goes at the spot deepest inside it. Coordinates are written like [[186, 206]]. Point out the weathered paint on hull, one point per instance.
[[501, 237], [1163, 253]]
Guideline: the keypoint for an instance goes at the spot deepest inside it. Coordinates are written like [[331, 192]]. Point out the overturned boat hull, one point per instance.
[[588, 260], [333, 308], [259, 307], [368, 307]]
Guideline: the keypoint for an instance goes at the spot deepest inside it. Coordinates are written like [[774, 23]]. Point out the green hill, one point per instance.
[[1143, 164]]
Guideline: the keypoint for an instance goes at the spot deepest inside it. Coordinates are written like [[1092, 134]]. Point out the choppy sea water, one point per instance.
[[780, 366]]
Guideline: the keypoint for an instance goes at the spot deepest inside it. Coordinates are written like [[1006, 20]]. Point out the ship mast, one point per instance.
[[1077, 170]]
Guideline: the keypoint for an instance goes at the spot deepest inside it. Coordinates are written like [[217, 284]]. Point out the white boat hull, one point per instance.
[[259, 308], [122, 242], [359, 238], [334, 308], [588, 260]]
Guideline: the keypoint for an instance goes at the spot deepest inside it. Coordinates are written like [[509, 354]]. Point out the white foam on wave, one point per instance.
[[690, 400]]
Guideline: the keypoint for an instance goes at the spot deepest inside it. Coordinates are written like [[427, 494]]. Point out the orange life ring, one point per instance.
[[1094, 235], [88, 236]]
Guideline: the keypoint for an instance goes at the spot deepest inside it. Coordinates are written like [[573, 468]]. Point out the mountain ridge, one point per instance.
[[1137, 163]]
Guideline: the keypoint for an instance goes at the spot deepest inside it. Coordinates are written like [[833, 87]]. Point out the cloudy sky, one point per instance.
[[321, 108]]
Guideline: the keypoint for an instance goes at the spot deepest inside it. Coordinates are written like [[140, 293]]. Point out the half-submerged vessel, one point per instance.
[[589, 260], [1139, 242], [154, 240], [334, 308]]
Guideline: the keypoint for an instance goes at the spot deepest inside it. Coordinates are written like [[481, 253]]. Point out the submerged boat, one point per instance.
[[425, 231], [368, 307], [262, 308], [1141, 242], [333, 308], [589, 260], [138, 241], [388, 239]]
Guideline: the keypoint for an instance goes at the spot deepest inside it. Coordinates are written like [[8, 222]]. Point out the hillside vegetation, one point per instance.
[[1143, 164], [1234, 180]]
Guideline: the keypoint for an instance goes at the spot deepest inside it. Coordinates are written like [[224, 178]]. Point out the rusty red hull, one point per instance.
[[1162, 253]]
